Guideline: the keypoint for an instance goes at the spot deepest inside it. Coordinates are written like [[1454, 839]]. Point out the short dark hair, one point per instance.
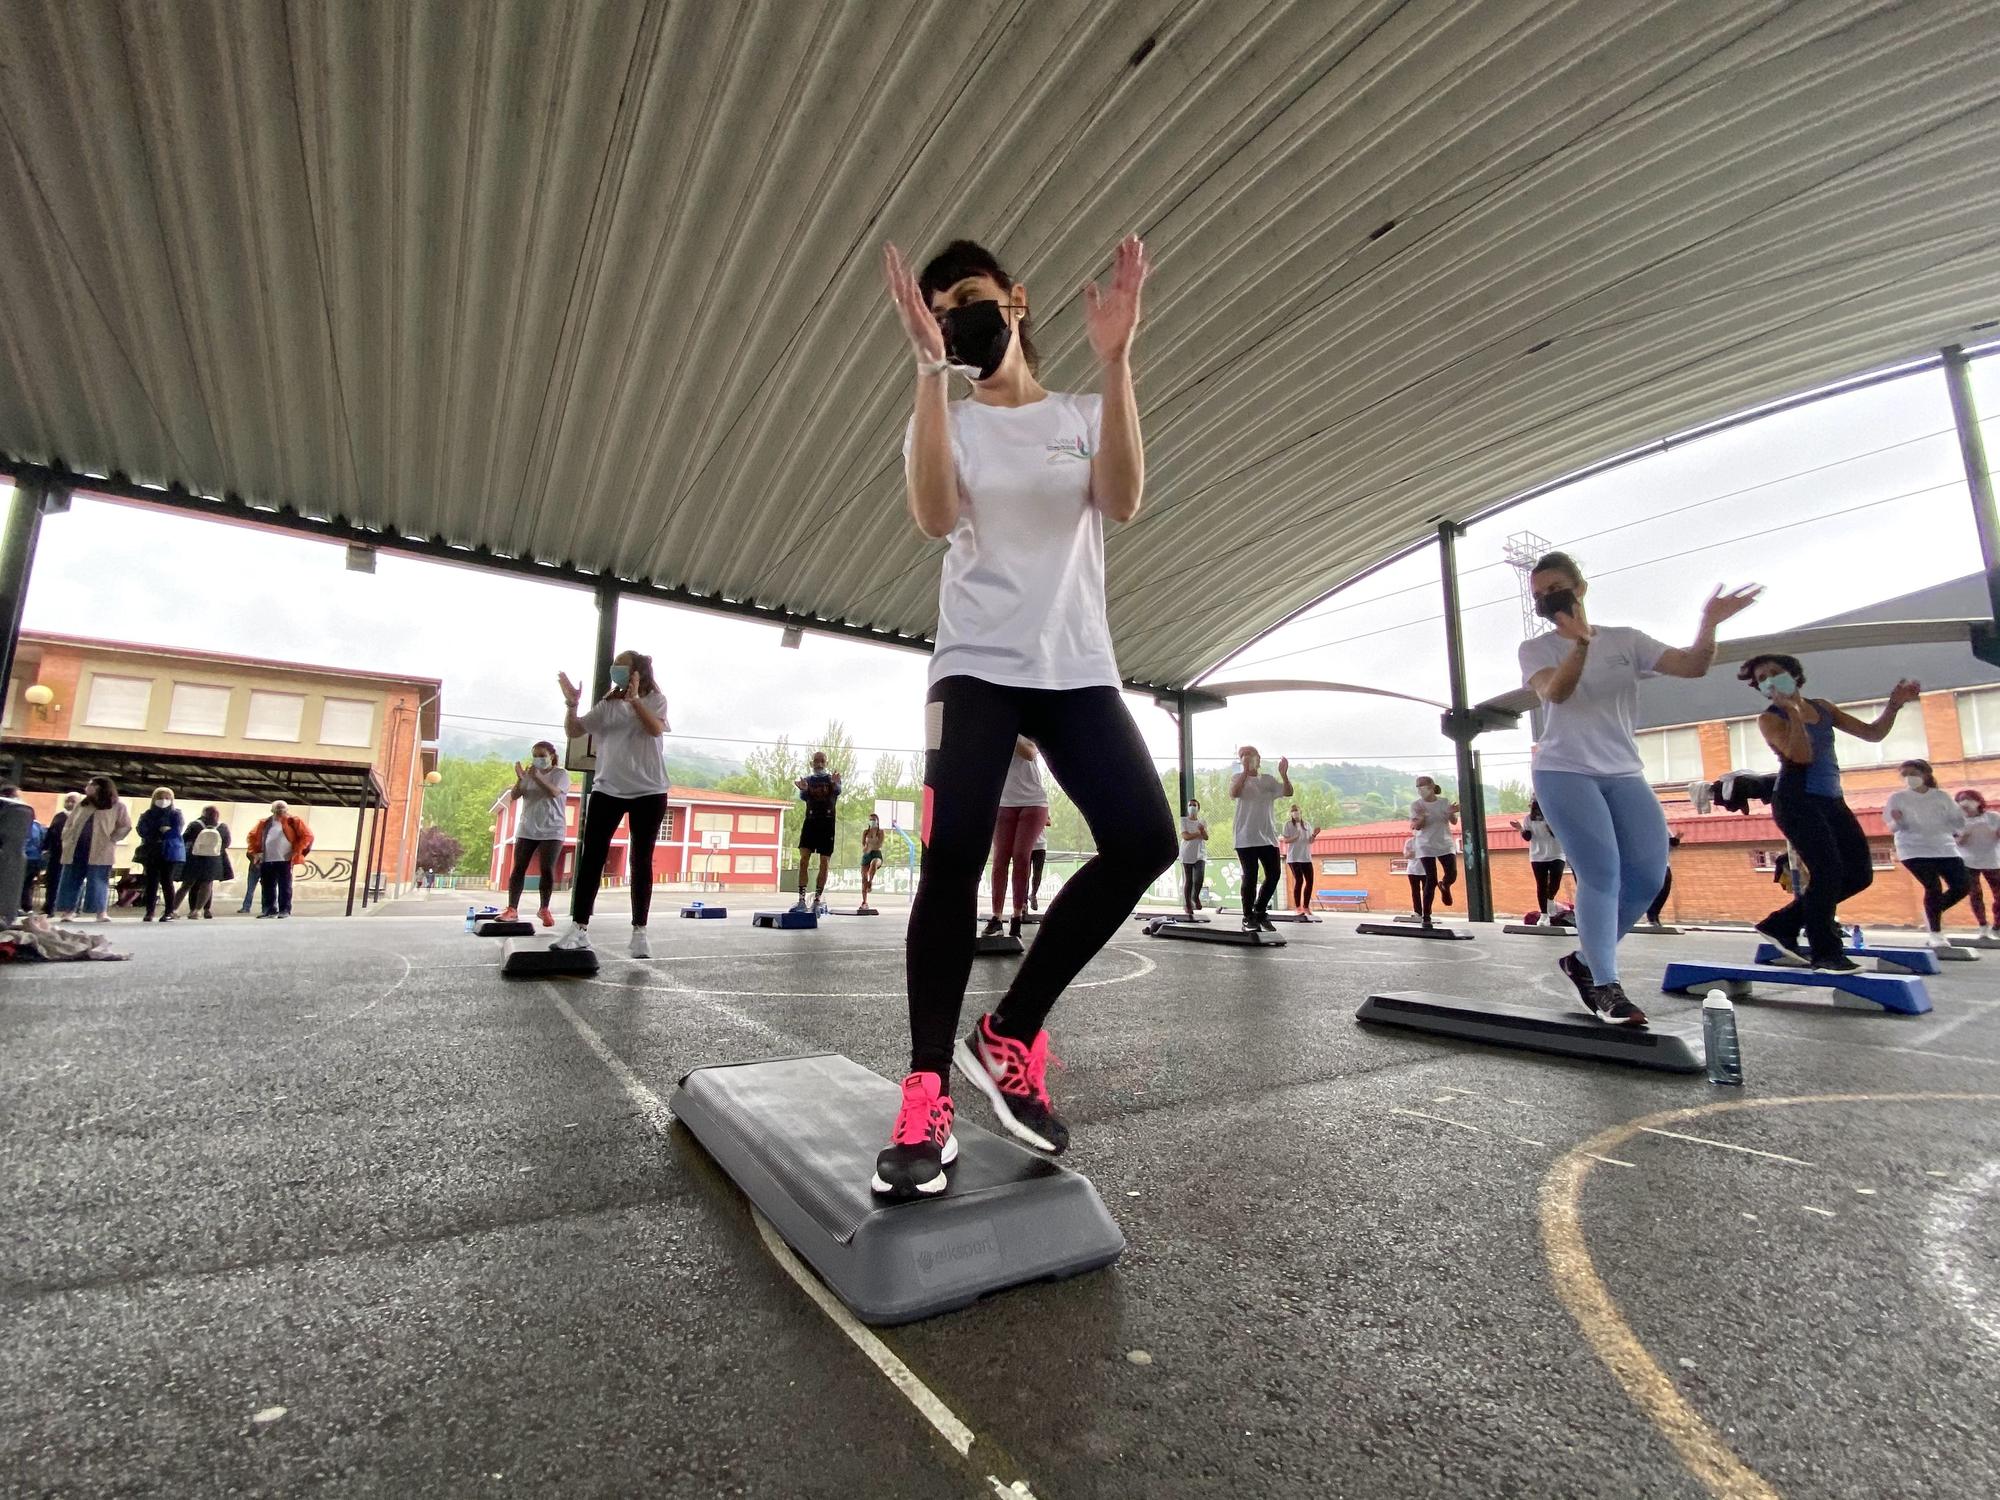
[[963, 258], [1557, 562], [8, 789], [1748, 671]]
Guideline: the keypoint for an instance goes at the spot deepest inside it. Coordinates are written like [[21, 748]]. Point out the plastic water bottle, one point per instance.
[[1718, 1039], [470, 912]]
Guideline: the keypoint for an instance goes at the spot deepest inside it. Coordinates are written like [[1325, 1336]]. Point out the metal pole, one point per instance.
[[17, 562], [1978, 477], [368, 869], [600, 670], [1184, 717], [1471, 805], [354, 864]]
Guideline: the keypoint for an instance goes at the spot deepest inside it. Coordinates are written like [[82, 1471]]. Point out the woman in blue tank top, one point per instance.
[[1827, 842]]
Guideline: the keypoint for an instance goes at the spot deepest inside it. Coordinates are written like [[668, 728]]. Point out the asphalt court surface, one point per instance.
[[329, 1207]]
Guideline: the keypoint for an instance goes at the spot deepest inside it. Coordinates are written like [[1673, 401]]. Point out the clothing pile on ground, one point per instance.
[[32, 937]]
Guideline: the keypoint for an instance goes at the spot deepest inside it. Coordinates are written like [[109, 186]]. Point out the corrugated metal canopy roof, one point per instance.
[[597, 283]]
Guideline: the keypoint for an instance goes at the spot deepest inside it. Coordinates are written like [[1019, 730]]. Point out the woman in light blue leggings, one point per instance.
[[1588, 775]]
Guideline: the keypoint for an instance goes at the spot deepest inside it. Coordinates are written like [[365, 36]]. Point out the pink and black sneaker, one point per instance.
[[1014, 1080], [921, 1145]]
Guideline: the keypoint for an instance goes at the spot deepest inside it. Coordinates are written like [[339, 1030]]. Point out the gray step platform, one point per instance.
[[1189, 932], [549, 963], [505, 929], [1162, 914], [1887, 960], [803, 921], [1439, 933], [1000, 945], [1978, 942], [1564, 1033], [1540, 929], [859, 911], [1292, 916], [1031, 919], [799, 1135], [1905, 995]]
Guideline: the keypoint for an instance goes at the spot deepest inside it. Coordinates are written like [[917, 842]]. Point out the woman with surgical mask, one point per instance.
[[1809, 808], [1431, 818], [1926, 823], [1020, 482], [1589, 775], [1979, 847], [1256, 792], [627, 730], [162, 853], [542, 789], [1193, 856]]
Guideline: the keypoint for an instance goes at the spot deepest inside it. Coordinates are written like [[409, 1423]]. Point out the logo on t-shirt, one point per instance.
[[1069, 450]]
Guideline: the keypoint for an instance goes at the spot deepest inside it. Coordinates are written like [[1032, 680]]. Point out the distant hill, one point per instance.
[[687, 766]]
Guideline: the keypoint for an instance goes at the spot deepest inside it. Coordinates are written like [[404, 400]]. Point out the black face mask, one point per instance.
[[976, 338], [1556, 602]]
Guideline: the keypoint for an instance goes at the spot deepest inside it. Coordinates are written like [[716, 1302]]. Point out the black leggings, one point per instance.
[[1416, 874], [1037, 858], [1096, 755], [1834, 854], [1946, 882], [160, 877], [1660, 901], [525, 852], [1432, 883], [601, 816], [1257, 895], [1301, 872], [1548, 881], [1192, 876], [1992, 881]]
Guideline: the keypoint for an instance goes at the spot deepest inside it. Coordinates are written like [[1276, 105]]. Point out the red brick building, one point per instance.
[[753, 826]]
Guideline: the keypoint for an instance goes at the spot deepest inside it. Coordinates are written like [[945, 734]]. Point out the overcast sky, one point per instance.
[[1843, 503]]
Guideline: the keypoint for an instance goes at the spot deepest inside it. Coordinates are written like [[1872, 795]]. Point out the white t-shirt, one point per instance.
[[1042, 838], [277, 848], [1021, 600], [1298, 841], [630, 762], [1981, 844], [1930, 818], [545, 817], [1255, 825], [1592, 732], [1434, 838], [1194, 848], [1024, 784], [1543, 845]]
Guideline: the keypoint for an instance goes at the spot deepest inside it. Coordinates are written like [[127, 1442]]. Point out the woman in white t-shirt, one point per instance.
[[542, 789], [627, 730], [1926, 823], [1431, 818], [1297, 839], [1194, 856], [1024, 814], [1979, 847], [1414, 868], [1589, 777], [1545, 858], [1256, 792], [1020, 481]]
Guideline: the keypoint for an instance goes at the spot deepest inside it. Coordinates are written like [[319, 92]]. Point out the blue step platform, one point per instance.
[[702, 910], [1906, 996], [785, 919], [1909, 960]]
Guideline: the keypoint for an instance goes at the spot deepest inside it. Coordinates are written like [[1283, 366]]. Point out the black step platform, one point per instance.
[[550, 963], [1000, 945], [1188, 932], [702, 911], [859, 911], [1439, 933], [505, 929], [787, 920], [1540, 929], [799, 1135], [1564, 1033]]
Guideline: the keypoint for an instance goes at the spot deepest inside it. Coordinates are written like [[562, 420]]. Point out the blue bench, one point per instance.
[[1341, 900], [1906, 996], [1909, 960]]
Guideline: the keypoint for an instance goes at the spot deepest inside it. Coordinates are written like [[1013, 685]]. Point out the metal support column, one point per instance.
[[1184, 723], [1978, 477], [354, 864], [600, 669], [368, 871], [1460, 723], [23, 524]]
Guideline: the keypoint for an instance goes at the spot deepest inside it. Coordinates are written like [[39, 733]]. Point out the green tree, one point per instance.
[[462, 805]]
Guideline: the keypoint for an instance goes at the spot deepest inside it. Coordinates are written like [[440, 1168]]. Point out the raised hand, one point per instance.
[[1725, 606], [1904, 693], [926, 338], [1573, 625], [570, 691], [1284, 766], [520, 771], [1111, 317]]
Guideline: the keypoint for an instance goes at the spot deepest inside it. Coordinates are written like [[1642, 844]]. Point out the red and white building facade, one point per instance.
[[754, 826]]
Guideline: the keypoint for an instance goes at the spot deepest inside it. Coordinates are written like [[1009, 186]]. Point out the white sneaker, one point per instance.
[[640, 947], [1936, 940], [102, 917], [576, 940]]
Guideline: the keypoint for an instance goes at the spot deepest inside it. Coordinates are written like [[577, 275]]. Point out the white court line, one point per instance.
[[1824, 1213], [1417, 1114], [1702, 1140], [899, 1374], [1611, 1160]]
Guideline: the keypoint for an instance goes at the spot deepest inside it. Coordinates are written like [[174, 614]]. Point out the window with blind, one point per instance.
[[1670, 755], [347, 721], [275, 716], [712, 864], [711, 822], [753, 864], [757, 823], [1979, 721], [198, 708], [1747, 748], [1907, 741], [118, 702]]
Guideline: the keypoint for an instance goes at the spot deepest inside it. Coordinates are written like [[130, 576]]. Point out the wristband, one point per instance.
[[929, 367]]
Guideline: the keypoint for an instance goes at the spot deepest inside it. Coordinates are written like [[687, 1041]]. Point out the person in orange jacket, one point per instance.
[[276, 844]]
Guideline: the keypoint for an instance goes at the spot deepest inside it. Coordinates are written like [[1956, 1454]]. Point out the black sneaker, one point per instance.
[[921, 1144], [1787, 941], [1250, 922], [1840, 963], [1014, 927], [1577, 972], [1264, 921], [1445, 892], [992, 928], [1014, 1080], [1609, 1003]]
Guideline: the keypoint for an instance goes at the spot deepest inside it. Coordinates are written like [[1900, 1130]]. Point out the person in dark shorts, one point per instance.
[[819, 789], [871, 857]]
